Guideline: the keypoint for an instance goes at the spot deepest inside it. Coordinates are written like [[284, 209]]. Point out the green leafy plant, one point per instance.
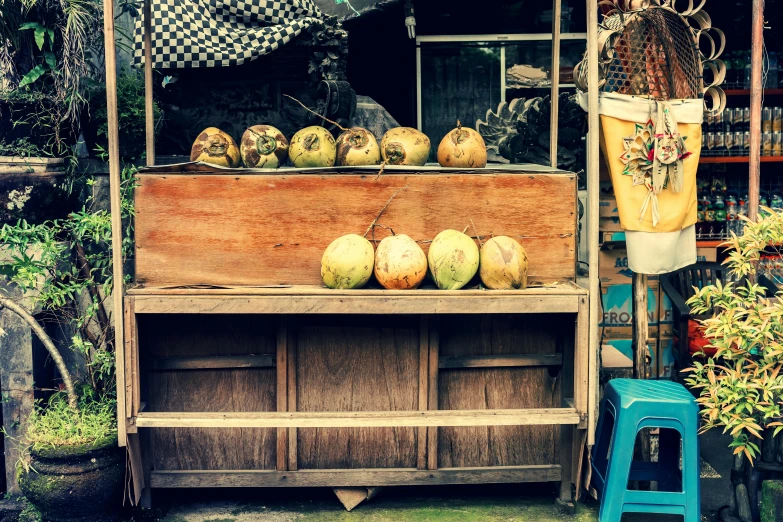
[[740, 385], [64, 267], [331, 41], [44, 37]]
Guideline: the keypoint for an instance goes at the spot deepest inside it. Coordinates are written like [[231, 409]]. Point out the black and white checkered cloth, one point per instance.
[[217, 33]]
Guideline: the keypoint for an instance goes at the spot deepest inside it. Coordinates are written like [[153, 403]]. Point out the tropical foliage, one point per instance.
[[740, 385]]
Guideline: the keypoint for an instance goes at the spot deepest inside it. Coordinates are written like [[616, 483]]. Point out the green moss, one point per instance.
[[771, 500], [59, 452]]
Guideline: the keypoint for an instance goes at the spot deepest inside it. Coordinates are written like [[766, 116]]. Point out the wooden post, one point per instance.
[[555, 93], [115, 198], [756, 93], [640, 326], [149, 113], [592, 209]]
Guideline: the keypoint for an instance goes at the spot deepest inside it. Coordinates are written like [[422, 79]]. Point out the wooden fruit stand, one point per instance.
[[281, 382], [237, 368]]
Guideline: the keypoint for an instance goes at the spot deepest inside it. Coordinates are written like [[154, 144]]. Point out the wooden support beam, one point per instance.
[[358, 419], [640, 326], [281, 450], [554, 96], [424, 388], [215, 363], [756, 95], [293, 452], [582, 358], [116, 204], [149, 112], [432, 399], [500, 361], [354, 477], [592, 209]]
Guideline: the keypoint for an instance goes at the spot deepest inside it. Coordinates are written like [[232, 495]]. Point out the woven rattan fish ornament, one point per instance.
[[658, 67]]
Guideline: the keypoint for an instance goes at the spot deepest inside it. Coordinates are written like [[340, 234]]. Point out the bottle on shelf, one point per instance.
[[772, 71]]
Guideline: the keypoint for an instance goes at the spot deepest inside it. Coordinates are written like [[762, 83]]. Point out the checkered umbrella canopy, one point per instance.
[[218, 33]]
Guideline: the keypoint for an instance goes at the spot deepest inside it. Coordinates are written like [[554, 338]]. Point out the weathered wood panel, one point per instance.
[[269, 229], [220, 390], [349, 363], [477, 388]]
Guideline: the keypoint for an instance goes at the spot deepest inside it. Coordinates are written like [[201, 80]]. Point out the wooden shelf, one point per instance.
[[358, 419], [710, 243], [560, 298], [746, 92], [739, 159], [353, 477]]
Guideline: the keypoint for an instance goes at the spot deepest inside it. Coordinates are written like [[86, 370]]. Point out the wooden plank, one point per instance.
[[134, 344], [582, 359], [414, 302], [357, 419], [501, 361], [221, 390], [215, 362], [129, 365], [424, 379], [554, 92], [281, 394], [756, 99], [566, 463], [115, 200], [357, 364], [149, 112], [492, 388], [640, 326], [562, 288], [136, 468], [593, 190], [355, 477], [432, 400], [293, 435], [240, 229]]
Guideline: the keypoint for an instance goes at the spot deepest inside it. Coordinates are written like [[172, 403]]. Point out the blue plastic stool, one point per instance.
[[628, 406]]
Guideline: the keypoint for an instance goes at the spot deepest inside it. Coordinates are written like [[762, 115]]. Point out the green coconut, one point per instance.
[[347, 262], [503, 264], [216, 147], [312, 147], [453, 259], [405, 146], [357, 146], [263, 146]]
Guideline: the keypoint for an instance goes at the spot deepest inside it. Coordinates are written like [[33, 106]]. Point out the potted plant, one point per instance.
[[73, 468], [741, 386]]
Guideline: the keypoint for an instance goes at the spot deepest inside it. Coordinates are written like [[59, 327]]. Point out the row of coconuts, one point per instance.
[[264, 146], [399, 262]]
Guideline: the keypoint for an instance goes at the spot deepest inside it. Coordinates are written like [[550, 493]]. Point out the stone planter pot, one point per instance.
[[79, 483]]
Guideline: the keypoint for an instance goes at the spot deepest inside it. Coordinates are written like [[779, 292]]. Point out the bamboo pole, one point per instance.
[[555, 92], [640, 326], [756, 93], [149, 113], [116, 214], [592, 211]]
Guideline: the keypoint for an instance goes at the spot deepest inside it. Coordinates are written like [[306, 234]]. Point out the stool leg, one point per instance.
[[691, 473], [618, 471], [604, 432], [669, 460]]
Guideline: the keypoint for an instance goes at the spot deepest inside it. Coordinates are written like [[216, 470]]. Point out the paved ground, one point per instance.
[[491, 503]]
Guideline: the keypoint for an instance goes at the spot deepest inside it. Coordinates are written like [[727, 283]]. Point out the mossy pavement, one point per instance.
[[414, 509]]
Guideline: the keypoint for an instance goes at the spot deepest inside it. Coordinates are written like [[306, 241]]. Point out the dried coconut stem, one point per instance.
[[308, 109], [478, 236], [383, 166], [375, 221]]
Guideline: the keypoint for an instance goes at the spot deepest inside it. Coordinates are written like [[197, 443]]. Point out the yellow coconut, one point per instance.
[[357, 146], [347, 262], [453, 259], [405, 146], [216, 147], [263, 146], [312, 147], [400, 263], [503, 264], [463, 148]]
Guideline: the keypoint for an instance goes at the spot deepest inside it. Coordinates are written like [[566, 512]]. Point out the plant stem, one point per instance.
[[73, 400]]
